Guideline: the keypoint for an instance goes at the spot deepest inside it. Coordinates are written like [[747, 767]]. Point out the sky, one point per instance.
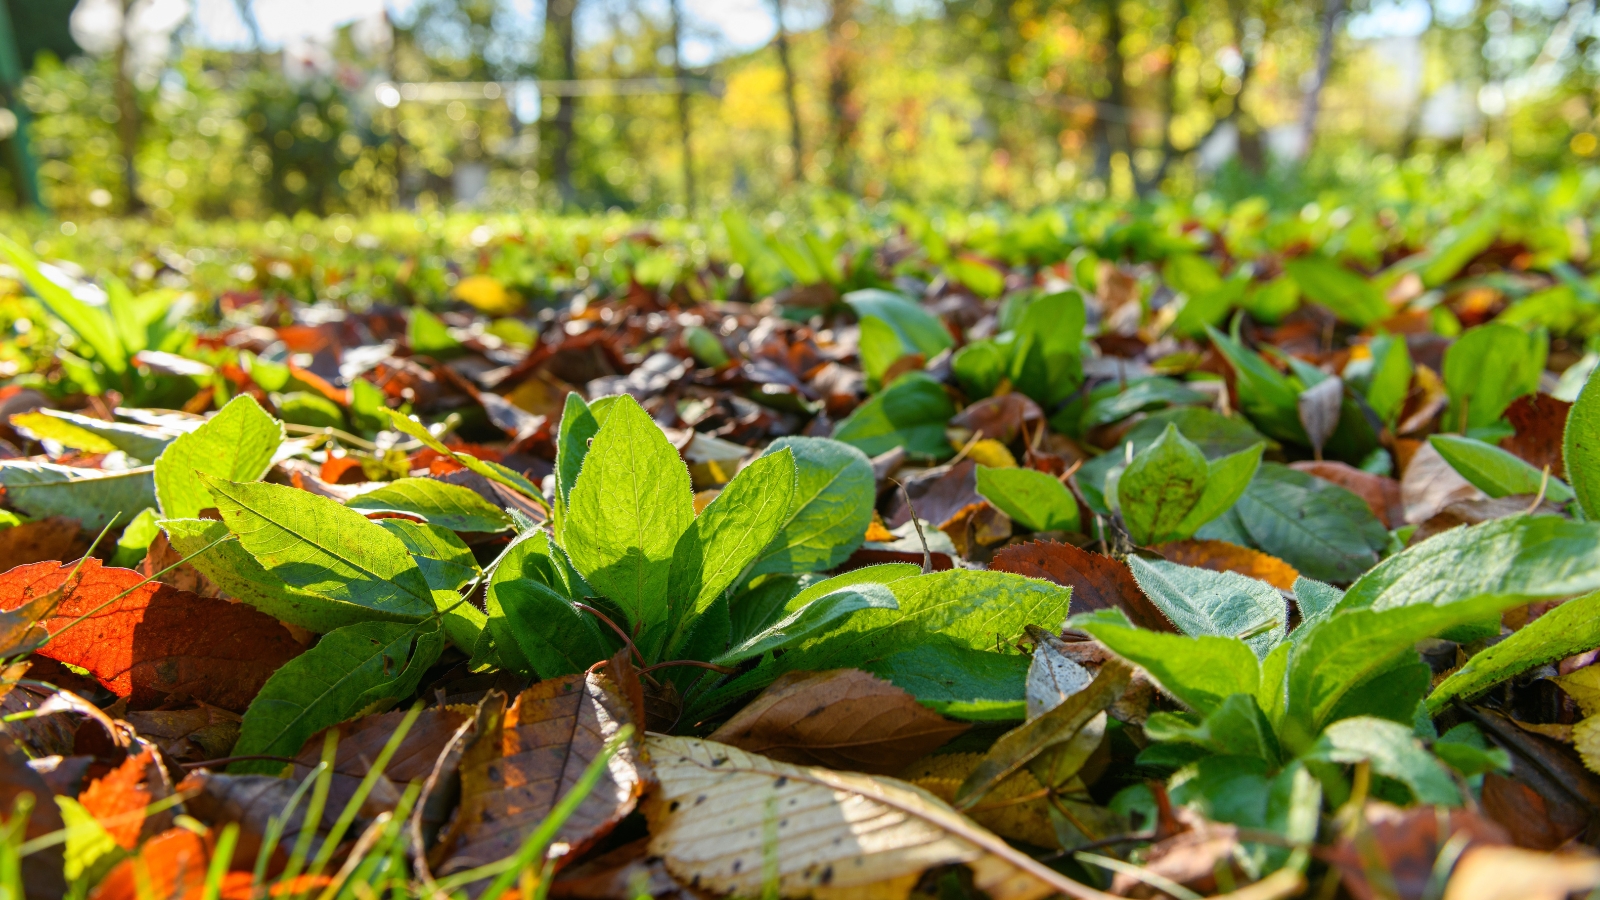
[[719, 26]]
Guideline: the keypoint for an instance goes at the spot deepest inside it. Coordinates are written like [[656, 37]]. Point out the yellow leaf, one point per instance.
[[990, 452], [1583, 686], [733, 822], [1003, 810], [487, 294], [1586, 738]]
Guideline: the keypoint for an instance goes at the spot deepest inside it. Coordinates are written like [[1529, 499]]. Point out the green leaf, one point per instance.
[[92, 496], [578, 427], [1346, 294], [231, 568], [1496, 472], [428, 336], [1123, 400], [1047, 356], [918, 330], [1581, 448], [811, 620], [1315, 600], [354, 670], [777, 598], [142, 442], [725, 539], [958, 681], [1220, 604], [1524, 557], [314, 544], [309, 409], [1392, 750], [236, 444], [1270, 400], [90, 323], [1201, 672], [1569, 629], [1216, 435], [1320, 528], [834, 494], [880, 347], [448, 565], [136, 538], [90, 848], [705, 346], [1207, 297], [1338, 653], [1036, 499], [1235, 728], [979, 367], [1226, 481], [1487, 368], [910, 413], [1159, 488], [631, 503], [551, 636], [1391, 376], [446, 505], [490, 470], [1456, 246]]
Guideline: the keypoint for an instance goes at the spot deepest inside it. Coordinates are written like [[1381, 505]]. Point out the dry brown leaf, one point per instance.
[[1191, 858], [628, 871], [1381, 494], [732, 822], [1540, 421], [1097, 582], [1405, 843], [1221, 556], [523, 759], [53, 538], [1002, 418], [250, 801], [1015, 809], [188, 735], [41, 871], [1430, 485], [1531, 819], [843, 719], [360, 743], [1510, 873]]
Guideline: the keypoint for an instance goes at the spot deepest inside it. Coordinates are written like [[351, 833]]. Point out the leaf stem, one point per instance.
[[620, 633], [725, 670]]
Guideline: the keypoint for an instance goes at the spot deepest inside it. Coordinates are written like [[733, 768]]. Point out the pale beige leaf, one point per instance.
[[1511, 873], [1583, 686], [729, 821]]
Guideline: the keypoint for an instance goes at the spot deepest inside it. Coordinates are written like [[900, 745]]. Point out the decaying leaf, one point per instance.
[[844, 719], [1539, 420], [1381, 494], [251, 801], [1511, 873], [1097, 582], [729, 821], [155, 642], [54, 537], [523, 759], [1405, 843], [1053, 675], [360, 743], [188, 735], [42, 871], [1221, 556], [1016, 808], [1430, 484], [118, 800]]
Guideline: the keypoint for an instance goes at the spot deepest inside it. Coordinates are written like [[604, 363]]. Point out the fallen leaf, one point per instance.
[[41, 871], [1531, 819], [1221, 556], [188, 735], [990, 452], [1583, 686], [171, 865], [55, 537], [1540, 421], [1430, 484], [251, 802], [936, 494], [360, 742], [156, 641], [843, 719], [1097, 582], [1381, 494], [118, 800], [628, 871], [1405, 843], [1510, 873], [816, 832], [1002, 418], [524, 759], [1053, 676], [1319, 407], [1586, 739], [1191, 858], [1016, 808]]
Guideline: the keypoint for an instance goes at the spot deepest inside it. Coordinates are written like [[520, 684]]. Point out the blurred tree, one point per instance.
[[791, 104], [558, 59], [844, 114], [40, 25]]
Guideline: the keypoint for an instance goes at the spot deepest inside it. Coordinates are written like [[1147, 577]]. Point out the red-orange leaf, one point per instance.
[[1221, 556], [157, 642], [118, 800], [1097, 582]]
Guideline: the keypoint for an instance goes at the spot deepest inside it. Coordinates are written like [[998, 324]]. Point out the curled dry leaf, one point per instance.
[[1430, 484], [733, 822], [628, 871], [1533, 820], [1510, 873], [1002, 418], [156, 642], [1097, 582], [843, 719], [524, 759], [1191, 858], [1221, 556]]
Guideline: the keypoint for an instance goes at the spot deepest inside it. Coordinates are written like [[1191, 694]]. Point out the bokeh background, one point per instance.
[[242, 109]]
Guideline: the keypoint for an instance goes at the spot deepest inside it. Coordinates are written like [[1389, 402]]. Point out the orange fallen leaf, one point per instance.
[[118, 800], [1097, 582], [171, 865], [1221, 556], [55, 538], [157, 641]]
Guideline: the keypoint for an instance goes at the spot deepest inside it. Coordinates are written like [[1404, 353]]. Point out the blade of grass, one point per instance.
[[365, 788], [220, 858], [274, 832], [313, 817]]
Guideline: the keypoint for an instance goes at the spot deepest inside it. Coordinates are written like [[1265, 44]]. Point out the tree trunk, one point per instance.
[[1116, 111], [682, 75], [1331, 11], [796, 144], [1169, 100], [560, 42], [842, 30], [127, 116]]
